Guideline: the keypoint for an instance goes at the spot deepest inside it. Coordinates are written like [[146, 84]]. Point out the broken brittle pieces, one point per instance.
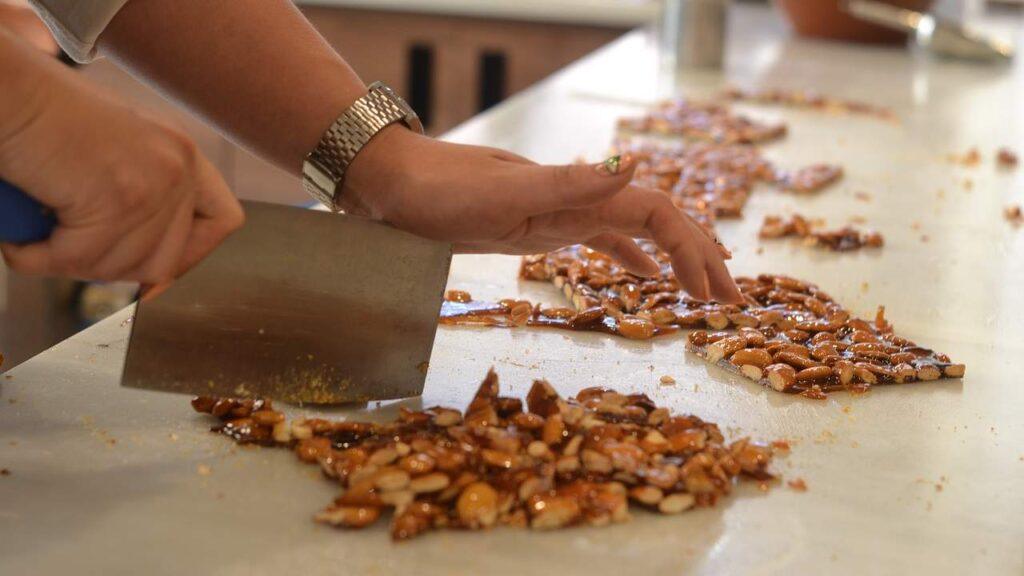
[[844, 239], [809, 179], [716, 180], [558, 463], [806, 343], [808, 99], [704, 121]]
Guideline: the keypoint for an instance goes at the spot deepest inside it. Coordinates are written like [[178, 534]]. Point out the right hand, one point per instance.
[[133, 198]]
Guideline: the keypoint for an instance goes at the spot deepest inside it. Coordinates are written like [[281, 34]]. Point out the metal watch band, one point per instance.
[[324, 168]]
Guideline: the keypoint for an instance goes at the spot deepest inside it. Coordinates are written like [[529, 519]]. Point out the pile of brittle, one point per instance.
[[559, 463]]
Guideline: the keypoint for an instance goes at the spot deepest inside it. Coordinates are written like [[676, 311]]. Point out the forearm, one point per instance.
[[21, 99], [255, 68]]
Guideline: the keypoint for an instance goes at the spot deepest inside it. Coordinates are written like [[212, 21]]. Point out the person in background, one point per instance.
[[136, 201]]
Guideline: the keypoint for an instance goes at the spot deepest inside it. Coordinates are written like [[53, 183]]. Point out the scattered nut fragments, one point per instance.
[[1014, 214], [844, 239], [809, 179], [797, 484], [968, 159], [1006, 158], [667, 380], [560, 463], [457, 296], [702, 121], [809, 99]]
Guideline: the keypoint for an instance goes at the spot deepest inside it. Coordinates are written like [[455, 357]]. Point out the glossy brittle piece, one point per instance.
[[706, 121], [547, 463], [825, 345], [844, 239]]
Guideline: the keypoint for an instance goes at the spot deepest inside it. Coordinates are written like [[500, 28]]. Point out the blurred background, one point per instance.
[[450, 59]]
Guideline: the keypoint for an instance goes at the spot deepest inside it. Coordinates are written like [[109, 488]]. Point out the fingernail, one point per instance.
[[726, 253], [615, 165]]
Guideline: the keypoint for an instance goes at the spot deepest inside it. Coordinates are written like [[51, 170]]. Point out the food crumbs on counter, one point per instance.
[[864, 287], [969, 159], [667, 380], [968, 184], [797, 484], [12, 400], [5, 472], [781, 446], [173, 437], [1014, 214], [862, 196], [1006, 158], [203, 470]]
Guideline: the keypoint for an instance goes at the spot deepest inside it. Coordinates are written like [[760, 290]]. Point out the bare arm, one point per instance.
[[259, 71], [254, 68]]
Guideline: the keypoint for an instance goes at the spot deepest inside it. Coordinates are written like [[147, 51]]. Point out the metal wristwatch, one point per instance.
[[323, 170]]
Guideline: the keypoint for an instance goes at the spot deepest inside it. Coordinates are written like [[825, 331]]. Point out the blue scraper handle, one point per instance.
[[23, 220]]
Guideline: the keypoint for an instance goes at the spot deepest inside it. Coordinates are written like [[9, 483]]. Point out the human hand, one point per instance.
[[488, 200], [133, 198]]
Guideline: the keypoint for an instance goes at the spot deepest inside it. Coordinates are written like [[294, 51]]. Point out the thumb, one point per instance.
[[553, 188]]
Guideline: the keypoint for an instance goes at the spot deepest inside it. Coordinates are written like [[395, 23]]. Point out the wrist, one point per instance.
[[378, 170]]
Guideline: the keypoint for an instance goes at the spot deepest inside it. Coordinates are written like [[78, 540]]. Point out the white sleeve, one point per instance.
[[76, 24]]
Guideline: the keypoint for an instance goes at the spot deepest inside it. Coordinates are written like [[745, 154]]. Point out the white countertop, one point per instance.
[[76, 500], [615, 13]]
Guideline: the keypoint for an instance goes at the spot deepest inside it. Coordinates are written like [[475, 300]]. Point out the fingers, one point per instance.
[[625, 250], [217, 215], [695, 257], [640, 212], [722, 286], [542, 189]]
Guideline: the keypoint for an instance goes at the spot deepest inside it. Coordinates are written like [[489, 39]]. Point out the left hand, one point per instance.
[[488, 200]]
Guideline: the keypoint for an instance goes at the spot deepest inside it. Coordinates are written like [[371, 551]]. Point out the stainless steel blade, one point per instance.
[[300, 306]]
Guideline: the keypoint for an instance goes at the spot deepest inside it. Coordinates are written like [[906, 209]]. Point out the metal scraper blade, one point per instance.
[[299, 306]]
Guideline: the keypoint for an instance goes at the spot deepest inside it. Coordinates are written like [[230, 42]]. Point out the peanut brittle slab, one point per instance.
[[716, 180], [790, 335], [705, 121]]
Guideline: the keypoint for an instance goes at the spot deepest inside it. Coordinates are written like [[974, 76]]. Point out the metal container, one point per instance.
[[693, 32]]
